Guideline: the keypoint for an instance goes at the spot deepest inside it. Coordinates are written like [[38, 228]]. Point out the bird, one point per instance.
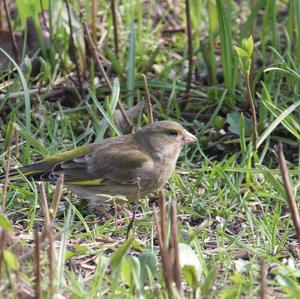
[[131, 165]]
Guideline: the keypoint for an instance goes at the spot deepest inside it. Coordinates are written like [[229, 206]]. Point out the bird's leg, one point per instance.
[[134, 207], [130, 225]]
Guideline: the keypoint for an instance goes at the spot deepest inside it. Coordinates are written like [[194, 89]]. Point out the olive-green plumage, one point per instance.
[[131, 165]]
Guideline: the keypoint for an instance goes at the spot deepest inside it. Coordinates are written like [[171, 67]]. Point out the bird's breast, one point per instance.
[[154, 174]]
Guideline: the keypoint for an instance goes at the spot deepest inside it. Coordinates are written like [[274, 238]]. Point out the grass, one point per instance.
[[233, 216]]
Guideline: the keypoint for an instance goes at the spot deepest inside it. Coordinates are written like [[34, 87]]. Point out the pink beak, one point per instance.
[[188, 138]]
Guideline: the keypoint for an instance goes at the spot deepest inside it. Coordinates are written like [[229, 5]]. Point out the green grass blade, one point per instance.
[[226, 45], [26, 92], [112, 107], [106, 116], [131, 65]]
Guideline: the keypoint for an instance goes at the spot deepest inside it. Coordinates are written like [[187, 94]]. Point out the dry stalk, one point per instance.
[[115, 25], [12, 35], [73, 51], [289, 192], [102, 70], [51, 238], [149, 104], [164, 256], [57, 196], [37, 289], [169, 250], [263, 282], [175, 246], [163, 213]]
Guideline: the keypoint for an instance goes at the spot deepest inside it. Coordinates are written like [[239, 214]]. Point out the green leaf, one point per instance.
[[10, 260], [233, 119], [126, 271], [114, 61], [31, 140], [118, 255], [190, 275], [247, 44], [241, 52], [148, 262], [4, 223], [208, 282], [190, 265]]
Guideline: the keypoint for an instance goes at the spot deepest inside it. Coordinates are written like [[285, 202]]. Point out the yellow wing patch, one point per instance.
[[94, 182]]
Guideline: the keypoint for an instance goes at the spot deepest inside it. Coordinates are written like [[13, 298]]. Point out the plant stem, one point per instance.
[[253, 112]]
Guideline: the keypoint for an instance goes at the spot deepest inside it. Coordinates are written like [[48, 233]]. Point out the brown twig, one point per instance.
[[115, 25], [289, 192], [73, 51], [12, 35], [37, 289], [149, 104], [263, 282], [101, 68], [190, 44]]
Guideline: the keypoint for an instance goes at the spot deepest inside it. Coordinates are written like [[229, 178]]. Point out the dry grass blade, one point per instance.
[[149, 104], [289, 192]]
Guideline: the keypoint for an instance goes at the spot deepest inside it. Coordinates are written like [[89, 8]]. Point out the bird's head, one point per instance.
[[164, 138]]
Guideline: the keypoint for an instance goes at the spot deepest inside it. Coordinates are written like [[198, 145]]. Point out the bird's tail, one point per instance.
[[30, 171]]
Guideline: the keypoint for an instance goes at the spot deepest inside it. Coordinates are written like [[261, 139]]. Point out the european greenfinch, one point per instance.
[[132, 165]]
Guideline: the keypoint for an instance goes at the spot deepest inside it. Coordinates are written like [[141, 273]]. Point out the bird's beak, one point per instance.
[[188, 138]]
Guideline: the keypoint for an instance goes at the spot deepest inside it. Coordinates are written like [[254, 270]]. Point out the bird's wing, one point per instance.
[[113, 160]]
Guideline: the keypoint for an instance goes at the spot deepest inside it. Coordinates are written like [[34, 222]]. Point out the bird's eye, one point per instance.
[[172, 132]]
